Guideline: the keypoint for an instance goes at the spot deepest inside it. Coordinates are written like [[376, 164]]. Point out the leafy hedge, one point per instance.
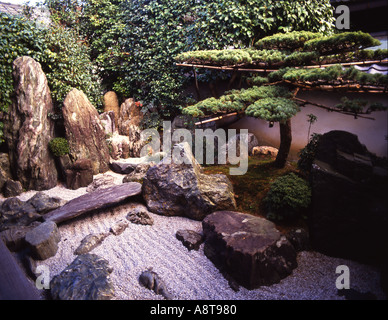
[[64, 59], [341, 42], [287, 41], [270, 103], [287, 197]]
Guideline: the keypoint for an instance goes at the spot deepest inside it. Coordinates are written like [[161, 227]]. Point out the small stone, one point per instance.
[[140, 215], [14, 236], [43, 240], [119, 227], [90, 242], [12, 188], [152, 281], [103, 182], [190, 239]]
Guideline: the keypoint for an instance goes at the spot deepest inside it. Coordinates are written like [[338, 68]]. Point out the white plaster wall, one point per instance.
[[372, 133]]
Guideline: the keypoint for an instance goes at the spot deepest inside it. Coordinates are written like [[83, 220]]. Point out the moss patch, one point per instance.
[[251, 188]]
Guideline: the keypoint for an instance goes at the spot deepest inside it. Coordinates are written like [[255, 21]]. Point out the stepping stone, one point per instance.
[[247, 248], [43, 240], [94, 200]]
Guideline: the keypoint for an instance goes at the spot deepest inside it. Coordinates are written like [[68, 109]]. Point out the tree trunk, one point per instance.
[[285, 143]]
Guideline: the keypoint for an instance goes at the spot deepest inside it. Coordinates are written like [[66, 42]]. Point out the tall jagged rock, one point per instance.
[[28, 129], [84, 131], [129, 125]]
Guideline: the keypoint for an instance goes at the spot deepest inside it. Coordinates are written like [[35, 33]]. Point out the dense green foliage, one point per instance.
[[307, 154], [294, 40], [270, 103], [18, 37], [273, 109], [330, 74], [359, 105], [59, 147], [241, 23], [64, 59], [133, 42], [287, 197], [341, 42]]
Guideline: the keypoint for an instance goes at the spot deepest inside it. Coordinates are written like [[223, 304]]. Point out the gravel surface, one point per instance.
[[189, 275]]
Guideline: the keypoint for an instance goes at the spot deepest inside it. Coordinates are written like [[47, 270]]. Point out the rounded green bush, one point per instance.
[[287, 197], [59, 147]]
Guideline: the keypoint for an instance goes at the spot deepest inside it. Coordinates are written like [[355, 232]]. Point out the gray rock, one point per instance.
[[128, 125], [249, 249], [12, 188], [43, 240], [5, 169], [103, 182], [190, 239], [180, 189], [119, 227], [84, 131], [152, 281], [80, 175], [139, 215], [90, 242], [43, 203], [86, 278], [14, 212], [139, 173], [14, 237], [28, 129]]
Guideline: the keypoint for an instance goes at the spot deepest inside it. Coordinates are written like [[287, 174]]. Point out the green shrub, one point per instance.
[[59, 147], [307, 154], [287, 197]]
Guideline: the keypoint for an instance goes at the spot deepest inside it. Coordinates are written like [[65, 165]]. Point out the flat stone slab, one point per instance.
[[94, 200], [247, 248]]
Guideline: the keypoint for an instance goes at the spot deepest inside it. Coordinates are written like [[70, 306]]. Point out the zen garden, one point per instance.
[[191, 150]]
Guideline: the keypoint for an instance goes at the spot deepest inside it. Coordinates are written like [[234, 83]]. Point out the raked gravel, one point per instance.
[[189, 275]]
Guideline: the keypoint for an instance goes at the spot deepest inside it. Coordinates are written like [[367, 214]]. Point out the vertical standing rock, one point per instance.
[[111, 103], [128, 125], [28, 128], [84, 131]]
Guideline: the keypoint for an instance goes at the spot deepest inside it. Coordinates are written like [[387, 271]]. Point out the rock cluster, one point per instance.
[[349, 203]]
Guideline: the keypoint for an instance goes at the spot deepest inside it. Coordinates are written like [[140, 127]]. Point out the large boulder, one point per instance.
[[247, 248], [129, 125], [349, 204], [86, 278], [28, 128], [178, 188], [84, 131]]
